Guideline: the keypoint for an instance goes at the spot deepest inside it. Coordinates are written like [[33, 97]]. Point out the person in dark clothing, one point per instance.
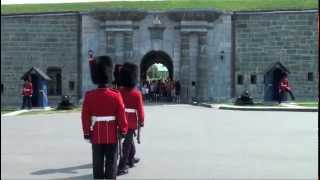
[[178, 91]]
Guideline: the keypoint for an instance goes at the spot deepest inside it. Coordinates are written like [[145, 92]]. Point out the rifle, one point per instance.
[[138, 136], [119, 144], [139, 129]]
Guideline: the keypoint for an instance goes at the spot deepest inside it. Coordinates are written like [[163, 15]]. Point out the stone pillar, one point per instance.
[[193, 66], [110, 43], [194, 60], [119, 41], [128, 46], [184, 66], [202, 68]]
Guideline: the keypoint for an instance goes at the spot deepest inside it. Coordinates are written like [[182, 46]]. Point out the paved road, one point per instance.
[[179, 141]]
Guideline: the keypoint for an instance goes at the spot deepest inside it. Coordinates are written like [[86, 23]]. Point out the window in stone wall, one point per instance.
[[54, 86], [156, 33], [310, 76], [240, 79], [71, 85], [253, 79]]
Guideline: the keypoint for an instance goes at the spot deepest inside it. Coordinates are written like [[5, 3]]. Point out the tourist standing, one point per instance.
[[177, 91]]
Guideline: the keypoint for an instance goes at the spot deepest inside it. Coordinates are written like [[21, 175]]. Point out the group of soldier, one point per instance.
[[111, 117]]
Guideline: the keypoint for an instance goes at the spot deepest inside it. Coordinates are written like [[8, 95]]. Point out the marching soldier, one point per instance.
[[134, 112], [102, 114]]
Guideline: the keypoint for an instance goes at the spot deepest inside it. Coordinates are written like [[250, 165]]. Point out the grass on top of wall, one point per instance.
[[227, 5]]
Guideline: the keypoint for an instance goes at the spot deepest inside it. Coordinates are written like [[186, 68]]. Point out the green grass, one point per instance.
[[308, 103], [228, 5], [7, 110]]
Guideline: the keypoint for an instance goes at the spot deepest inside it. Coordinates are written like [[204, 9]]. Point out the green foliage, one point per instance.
[[154, 73], [228, 5]]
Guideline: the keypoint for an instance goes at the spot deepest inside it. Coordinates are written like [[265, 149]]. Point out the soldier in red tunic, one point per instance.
[[134, 112], [27, 92], [103, 114], [284, 87]]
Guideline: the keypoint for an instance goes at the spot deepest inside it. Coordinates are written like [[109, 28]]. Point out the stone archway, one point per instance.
[[153, 57]]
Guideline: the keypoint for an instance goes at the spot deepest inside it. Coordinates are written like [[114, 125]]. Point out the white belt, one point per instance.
[[129, 110], [101, 119]]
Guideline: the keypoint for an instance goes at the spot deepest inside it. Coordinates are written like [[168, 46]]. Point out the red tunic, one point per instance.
[[27, 89], [284, 85], [103, 102], [132, 99]]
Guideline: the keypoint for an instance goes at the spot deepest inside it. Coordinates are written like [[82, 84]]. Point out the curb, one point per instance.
[[261, 108], [14, 113], [205, 105], [269, 109]]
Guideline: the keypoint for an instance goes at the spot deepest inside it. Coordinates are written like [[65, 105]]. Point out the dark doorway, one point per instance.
[[272, 79], [54, 86], [154, 57], [34, 81]]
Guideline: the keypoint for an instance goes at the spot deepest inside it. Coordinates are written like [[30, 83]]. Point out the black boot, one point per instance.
[[133, 161], [123, 170], [123, 167]]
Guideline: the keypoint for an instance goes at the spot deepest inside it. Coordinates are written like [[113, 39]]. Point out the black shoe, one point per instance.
[[136, 160], [122, 172], [132, 162]]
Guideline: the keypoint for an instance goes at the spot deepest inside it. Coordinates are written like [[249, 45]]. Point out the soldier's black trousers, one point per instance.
[[282, 93], [129, 150], [104, 161], [26, 101]]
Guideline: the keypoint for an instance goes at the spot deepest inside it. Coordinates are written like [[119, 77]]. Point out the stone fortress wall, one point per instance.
[[42, 41], [211, 48]]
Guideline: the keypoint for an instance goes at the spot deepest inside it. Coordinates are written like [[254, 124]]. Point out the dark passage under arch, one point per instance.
[[153, 57]]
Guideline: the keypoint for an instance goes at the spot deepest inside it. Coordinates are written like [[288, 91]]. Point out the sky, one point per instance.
[[55, 1]]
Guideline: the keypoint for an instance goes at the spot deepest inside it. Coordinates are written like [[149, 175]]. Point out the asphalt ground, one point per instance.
[[178, 142]]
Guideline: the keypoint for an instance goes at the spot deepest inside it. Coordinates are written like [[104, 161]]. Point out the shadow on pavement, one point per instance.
[[84, 177], [68, 170]]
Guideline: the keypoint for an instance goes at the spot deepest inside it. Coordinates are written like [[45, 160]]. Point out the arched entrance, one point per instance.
[[152, 58], [271, 81]]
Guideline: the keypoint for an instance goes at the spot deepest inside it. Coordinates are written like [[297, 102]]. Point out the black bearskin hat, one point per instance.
[[116, 74], [100, 69], [129, 75]]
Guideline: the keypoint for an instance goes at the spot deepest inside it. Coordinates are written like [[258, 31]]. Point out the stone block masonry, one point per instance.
[[290, 38], [42, 41]]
